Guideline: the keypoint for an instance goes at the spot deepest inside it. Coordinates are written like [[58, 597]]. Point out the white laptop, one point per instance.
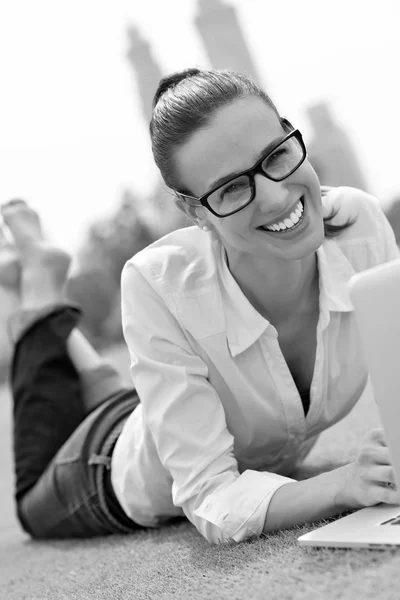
[[375, 295]]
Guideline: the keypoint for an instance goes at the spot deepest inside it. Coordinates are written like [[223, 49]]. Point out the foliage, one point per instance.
[[109, 243]]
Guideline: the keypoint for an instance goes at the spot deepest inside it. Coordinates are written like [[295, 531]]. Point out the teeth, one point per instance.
[[288, 223], [294, 217]]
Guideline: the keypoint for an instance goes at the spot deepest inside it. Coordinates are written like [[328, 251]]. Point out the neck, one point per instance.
[[279, 290]]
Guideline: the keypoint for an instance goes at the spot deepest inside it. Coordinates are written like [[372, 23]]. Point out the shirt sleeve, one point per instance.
[[187, 421]]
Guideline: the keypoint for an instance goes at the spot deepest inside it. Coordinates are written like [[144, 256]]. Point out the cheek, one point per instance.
[[311, 174], [203, 217], [234, 231]]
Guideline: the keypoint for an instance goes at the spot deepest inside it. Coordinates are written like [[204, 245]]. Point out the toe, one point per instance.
[[11, 204], [5, 237], [23, 222], [16, 207]]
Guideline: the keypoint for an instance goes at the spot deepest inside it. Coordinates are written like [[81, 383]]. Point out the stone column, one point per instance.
[[331, 152], [223, 38], [145, 68]]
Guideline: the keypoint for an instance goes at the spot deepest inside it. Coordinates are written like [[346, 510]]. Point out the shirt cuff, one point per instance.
[[240, 509]]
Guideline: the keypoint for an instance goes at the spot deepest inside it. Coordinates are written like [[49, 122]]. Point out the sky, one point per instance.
[[72, 135]]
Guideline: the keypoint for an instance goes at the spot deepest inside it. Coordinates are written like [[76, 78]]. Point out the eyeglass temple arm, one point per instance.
[[186, 197]]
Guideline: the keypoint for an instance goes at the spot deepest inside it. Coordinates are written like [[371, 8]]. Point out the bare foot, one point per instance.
[[10, 274], [10, 266], [44, 268]]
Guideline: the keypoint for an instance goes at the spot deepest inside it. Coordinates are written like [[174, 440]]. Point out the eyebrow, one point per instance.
[[265, 150]]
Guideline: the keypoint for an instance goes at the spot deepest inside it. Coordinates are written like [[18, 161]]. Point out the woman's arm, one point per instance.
[[186, 418], [361, 483], [316, 498]]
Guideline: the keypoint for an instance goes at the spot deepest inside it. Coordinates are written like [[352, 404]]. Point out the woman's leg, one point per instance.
[[45, 414], [99, 379], [65, 497], [42, 286], [47, 399], [48, 405]]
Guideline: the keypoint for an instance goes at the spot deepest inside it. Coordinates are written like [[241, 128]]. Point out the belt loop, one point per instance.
[[99, 459]]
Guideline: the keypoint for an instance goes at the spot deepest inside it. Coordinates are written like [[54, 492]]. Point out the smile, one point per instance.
[[290, 222]]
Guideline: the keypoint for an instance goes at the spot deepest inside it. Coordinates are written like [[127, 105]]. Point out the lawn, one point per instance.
[[176, 562]]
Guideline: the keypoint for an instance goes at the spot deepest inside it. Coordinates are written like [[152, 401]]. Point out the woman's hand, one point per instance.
[[369, 480]]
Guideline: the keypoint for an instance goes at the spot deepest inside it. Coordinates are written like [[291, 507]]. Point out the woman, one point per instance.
[[242, 341]]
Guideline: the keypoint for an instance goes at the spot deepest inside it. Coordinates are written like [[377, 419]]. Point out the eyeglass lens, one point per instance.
[[237, 193]]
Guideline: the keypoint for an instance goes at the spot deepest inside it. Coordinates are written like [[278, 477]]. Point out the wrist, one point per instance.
[[343, 498], [320, 497]]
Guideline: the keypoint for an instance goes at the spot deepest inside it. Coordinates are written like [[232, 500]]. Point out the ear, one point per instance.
[[194, 213]]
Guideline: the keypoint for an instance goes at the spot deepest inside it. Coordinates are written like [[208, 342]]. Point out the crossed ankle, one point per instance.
[[20, 322], [43, 280]]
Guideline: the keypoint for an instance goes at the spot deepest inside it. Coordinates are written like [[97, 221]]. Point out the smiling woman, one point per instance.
[[230, 323], [241, 335]]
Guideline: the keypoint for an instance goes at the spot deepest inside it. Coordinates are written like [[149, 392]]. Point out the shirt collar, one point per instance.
[[244, 324], [335, 272]]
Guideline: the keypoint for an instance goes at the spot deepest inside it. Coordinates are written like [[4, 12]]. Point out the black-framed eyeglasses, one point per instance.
[[237, 192]]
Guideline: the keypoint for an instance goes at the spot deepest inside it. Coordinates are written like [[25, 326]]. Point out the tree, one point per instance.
[[109, 243]]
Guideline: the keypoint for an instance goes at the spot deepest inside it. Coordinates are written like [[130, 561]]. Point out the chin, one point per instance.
[[307, 246]]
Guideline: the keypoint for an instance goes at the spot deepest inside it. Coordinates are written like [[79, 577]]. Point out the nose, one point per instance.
[[272, 197]]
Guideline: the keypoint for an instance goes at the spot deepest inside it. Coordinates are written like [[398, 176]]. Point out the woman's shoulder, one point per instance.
[[178, 261], [369, 240], [353, 205]]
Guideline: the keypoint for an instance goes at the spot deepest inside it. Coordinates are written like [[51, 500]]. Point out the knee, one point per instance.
[[23, 521], [32, 525]]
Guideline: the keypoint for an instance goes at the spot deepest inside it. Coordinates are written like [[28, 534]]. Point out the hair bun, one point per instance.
[[171, 81]]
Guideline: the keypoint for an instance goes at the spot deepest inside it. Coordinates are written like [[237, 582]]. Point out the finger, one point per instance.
[[374, 455], [390, 495], [377, 435], [383, 474], [380, 456]]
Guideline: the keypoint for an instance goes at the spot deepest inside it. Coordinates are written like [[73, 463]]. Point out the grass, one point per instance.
[[176, 562]]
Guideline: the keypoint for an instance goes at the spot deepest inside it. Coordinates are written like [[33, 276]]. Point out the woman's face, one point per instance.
[[232, 142]]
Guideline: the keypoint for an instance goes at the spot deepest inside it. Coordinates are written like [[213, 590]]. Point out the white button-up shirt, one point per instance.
[[221, 423]]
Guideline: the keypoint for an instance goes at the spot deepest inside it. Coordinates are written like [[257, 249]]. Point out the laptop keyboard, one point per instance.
[[392, 521]]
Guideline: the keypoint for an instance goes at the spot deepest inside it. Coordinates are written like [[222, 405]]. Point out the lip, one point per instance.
[[284, 216]]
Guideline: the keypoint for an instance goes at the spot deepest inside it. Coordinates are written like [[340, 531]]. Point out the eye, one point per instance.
[[277, 154], [235, 187]]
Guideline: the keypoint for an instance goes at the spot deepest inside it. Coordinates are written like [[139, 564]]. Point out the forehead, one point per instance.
[[231, 142]]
